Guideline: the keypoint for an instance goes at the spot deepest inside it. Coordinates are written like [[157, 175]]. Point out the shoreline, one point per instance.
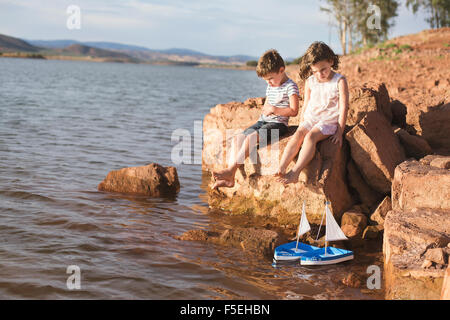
[[24, 55]]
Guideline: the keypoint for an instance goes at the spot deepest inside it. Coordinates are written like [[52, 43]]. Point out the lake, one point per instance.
[[63, 126]]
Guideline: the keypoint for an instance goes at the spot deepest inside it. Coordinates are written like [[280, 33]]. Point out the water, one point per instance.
[[63, 126]]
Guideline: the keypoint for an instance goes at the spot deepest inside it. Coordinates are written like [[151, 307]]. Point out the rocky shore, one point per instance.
[[390, 181]]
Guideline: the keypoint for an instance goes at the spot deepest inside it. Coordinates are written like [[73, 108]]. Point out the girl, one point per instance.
[[324, 112]]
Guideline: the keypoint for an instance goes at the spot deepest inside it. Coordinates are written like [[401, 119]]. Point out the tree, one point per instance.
[[353, 16], [439, 11]]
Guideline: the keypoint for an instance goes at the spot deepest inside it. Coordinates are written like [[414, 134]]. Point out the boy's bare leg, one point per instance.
[[225, 177], [305, 156], [291, 149], [236, 145]]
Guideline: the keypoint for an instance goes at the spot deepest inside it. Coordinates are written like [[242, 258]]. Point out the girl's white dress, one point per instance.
[[322, 110]]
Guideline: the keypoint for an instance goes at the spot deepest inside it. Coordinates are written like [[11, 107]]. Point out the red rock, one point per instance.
[[352, 280], [414, 146], [445, 294], [366, 194], [380, 213], [375, 150], [437, 161], [417, 185], [367, 98], [407, 236], [436, 255], [151, 180], [353, 223]]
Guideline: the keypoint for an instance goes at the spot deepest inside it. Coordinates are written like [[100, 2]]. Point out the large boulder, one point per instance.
[[375, 150], [256, 190], [408, 235], [417, 184], [371, 96], [151, 180]]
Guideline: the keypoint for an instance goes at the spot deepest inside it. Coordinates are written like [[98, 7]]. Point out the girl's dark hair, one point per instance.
[[316, 52]]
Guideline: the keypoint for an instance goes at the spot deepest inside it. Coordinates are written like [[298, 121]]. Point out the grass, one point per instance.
[[447, 45]]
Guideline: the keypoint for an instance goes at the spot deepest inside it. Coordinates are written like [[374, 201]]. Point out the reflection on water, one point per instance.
[[63, 126]]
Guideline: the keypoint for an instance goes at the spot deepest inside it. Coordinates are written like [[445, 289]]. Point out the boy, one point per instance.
[[281, 103]]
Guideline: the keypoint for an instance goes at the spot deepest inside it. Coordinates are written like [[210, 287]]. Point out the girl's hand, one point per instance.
[[268, 109], [337, 138]]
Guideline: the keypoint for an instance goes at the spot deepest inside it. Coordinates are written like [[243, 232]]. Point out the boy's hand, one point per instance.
[[268, 109]]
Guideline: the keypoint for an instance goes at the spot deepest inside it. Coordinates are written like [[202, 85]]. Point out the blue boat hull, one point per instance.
[[287, 251], [332, 256]]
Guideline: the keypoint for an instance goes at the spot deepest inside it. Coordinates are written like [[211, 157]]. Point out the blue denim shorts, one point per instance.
[[266, 130]]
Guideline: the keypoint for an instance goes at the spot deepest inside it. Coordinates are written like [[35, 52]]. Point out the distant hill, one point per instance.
[[82, 50], [11, 44], [112, 51], [149, 55]]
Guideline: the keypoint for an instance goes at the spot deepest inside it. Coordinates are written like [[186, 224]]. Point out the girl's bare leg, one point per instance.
[[305, 156], [291, 149]]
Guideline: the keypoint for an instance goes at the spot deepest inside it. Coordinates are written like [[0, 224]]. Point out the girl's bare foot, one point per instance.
[[279, 173], [290, 177], [223, 183]]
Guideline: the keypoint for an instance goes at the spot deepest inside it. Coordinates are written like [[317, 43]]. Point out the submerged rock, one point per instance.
[[253, 240], [151, 180], [408, 234]]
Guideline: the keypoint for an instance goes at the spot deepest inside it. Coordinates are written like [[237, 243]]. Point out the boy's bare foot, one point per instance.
[[290, 177], [223, 183], [225, 174]]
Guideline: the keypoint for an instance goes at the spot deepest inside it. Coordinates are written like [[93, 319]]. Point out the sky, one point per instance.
[[216, 27]]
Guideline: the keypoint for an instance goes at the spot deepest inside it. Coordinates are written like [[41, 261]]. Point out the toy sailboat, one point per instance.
[[294, 250], [328, 255]]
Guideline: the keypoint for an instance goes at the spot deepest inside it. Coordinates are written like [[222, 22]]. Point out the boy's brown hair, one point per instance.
[[270, 62]]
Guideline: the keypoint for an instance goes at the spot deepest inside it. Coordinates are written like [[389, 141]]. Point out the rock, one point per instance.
[[366, 194], [433, 124], [367, 98], [414, 146], [436, 255], [398, 113], [253, 240], [257, 192], [375, 150], [445, 293], [417, 185], [442, 162], [426, 264], [352, 280], [372, 232], [151, 180], [380, 213], [353, 223], [196, 235], [408, 234]]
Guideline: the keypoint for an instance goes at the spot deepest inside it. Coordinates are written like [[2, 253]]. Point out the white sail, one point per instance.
[[333, 231], [303, 227]]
